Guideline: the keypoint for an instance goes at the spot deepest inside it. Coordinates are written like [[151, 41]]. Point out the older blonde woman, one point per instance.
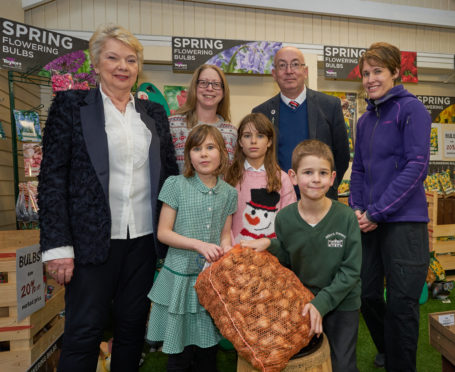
[[208, 102], [105, 157]]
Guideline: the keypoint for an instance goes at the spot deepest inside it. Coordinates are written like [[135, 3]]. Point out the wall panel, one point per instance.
[[111, 11], [220, 22], [173, 17], [51, 15], [81, 14], [63, 12], [434, 4], [134, 7], [239, 23]]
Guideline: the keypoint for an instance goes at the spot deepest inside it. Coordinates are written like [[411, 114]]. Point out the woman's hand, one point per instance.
[[258, 244], [358, 214], [211, 252], [365, 224], [61, 269], [315, 319]]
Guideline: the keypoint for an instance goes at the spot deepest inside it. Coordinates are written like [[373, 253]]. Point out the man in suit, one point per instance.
[[300, 113]]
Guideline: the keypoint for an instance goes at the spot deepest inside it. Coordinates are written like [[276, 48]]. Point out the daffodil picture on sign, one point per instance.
[[434, 144], [349, 107]]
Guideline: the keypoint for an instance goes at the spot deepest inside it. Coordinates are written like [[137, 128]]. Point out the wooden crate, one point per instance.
[[442, 338], [23, 342], [444, 249]]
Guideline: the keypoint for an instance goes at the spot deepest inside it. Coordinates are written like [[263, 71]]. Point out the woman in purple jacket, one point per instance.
[[387, 195]]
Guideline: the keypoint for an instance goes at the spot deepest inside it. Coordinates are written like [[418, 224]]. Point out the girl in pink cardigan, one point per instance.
[[263, 188]]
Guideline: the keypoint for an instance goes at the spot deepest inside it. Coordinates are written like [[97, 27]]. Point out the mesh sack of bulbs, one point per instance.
[[257, 305]]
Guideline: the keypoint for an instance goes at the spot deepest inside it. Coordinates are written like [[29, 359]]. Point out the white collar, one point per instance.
[[249, 167], [106, 97], [300, 98]]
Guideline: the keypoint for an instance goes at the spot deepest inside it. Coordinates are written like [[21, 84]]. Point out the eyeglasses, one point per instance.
[[217, 85], [282, 66]]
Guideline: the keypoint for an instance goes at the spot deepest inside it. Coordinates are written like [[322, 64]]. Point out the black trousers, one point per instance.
[[193, 359], [400, 253], [341, 329], [119, 285]]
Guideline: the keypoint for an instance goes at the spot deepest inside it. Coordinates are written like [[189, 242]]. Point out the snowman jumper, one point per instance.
[[177, 318], [256, 209]]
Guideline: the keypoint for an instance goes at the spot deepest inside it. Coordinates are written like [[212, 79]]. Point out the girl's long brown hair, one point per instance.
[[264, 126], [196, 137]]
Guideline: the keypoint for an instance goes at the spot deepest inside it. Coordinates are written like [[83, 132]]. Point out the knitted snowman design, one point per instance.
[[259, 215]]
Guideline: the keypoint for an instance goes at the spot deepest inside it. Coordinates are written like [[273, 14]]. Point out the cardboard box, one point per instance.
[[442, 338]]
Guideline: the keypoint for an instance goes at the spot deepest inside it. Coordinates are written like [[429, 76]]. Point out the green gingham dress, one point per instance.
[[177, 318]]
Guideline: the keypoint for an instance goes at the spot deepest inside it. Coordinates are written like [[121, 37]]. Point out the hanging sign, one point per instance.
[[232, 56], [441, 108], [29, 279], [26, 48], [343, 63]]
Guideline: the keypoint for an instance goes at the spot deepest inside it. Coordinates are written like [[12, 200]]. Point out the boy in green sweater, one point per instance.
[[319, 240]]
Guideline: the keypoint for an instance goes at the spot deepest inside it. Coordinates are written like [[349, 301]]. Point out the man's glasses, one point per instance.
[[282, 66], [217, 85]]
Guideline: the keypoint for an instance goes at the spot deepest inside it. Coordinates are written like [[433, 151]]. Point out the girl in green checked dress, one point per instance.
[[195, 222]]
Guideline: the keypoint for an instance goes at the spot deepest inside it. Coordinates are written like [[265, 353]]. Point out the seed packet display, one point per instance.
[[27, 206], [33, 155], [27, 126]]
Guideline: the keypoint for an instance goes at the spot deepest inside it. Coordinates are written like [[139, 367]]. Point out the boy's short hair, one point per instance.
[[315, 148], [196, 137]]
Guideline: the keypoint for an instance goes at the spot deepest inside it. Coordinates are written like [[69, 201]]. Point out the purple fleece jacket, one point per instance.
[[392, 151]]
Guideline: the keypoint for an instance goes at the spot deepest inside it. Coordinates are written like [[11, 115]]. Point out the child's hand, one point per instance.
[[226, 248], [258, 244], [211, 252], [315, 319]]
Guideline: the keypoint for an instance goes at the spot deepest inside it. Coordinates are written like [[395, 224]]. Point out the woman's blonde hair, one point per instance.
[[196, 137], [189, 108], [111, 31], [264, 126]]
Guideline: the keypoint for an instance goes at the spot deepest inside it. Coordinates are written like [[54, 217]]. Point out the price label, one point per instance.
[[447, 319], [29, 278], [449, 144], [29, 288]]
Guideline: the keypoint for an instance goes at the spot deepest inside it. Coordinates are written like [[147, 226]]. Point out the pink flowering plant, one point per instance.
[[70, 71]]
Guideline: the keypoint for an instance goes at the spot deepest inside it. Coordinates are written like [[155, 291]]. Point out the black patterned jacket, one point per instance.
[[73, 185]]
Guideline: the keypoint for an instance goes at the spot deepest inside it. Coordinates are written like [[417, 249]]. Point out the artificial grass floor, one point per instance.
[[428, 359]]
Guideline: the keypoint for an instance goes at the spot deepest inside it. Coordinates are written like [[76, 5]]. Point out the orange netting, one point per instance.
[[257, 305]]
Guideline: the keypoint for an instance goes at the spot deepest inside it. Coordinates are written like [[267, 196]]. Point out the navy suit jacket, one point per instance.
[[325, 123], [73, 189]]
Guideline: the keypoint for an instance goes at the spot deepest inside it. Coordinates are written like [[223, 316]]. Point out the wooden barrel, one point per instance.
[[317, 361]]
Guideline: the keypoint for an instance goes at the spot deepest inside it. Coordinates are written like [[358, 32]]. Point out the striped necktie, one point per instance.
[[293, 104]]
